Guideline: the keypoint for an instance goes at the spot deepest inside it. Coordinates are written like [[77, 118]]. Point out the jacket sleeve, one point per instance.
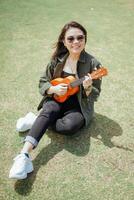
[[96, 85], [94, 90], [44, 82]]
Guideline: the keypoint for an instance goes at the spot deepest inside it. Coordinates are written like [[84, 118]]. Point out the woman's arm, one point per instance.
[[45, 86], [96, 84], [44, 82], [93, 88]]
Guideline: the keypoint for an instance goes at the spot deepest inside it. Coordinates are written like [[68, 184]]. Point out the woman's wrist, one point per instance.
[[86, 87], [88, 90], [50, 90]]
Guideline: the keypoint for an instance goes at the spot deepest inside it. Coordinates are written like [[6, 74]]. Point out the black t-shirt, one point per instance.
[[72, 101]]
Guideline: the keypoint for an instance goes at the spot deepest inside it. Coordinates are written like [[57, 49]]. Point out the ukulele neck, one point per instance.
[[94, 75], [77, 82]]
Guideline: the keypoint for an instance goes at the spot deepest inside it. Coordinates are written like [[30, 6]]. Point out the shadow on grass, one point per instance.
[[101, 128]]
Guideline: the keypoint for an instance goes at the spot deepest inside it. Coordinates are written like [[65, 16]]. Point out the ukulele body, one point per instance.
[[70, 90]]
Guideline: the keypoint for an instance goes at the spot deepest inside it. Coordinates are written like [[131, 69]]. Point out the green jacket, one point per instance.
[[86, 64]]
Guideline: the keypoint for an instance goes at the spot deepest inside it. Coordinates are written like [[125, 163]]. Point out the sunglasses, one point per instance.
[[79, 38]]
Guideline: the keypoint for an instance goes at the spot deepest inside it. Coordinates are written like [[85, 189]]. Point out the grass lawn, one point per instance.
[[98, 164]]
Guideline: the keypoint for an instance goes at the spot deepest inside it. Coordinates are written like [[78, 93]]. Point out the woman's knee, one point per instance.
[[67, 126], [50, 108], [63, 127]]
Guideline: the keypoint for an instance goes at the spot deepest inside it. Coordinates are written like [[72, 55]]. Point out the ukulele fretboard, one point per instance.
[[77, 82]]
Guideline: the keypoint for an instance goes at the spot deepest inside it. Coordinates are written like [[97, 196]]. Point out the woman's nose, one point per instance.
[[75, 40]]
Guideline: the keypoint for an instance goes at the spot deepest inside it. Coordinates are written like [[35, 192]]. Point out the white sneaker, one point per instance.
[[25, 123], [21, 167]]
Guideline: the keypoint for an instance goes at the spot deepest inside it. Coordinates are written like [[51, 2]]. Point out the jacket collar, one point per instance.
[[82, 57]]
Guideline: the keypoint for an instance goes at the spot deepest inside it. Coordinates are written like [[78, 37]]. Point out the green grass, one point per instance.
[[99, 163]]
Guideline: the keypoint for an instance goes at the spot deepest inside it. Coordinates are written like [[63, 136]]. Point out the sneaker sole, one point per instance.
[[18, 177]]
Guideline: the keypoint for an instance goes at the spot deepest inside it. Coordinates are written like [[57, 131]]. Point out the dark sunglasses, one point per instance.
[[79, 38]]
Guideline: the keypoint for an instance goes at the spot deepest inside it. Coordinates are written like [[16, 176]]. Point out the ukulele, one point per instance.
[[73, 83]]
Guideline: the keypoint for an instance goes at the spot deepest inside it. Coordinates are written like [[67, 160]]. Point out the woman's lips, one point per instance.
[[75, 47]]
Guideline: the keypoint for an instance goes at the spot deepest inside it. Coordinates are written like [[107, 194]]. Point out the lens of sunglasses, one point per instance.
[[72, 38]]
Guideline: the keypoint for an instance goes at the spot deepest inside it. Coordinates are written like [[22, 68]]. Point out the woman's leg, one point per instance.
[[70, 123], [22, 163], [27, 148], [48, 115]]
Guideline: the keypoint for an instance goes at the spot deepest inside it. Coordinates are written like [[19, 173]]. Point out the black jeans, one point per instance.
[[65, 118]]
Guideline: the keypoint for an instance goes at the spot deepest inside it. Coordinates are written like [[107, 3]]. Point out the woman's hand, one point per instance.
[[87, 82], [59, 89]]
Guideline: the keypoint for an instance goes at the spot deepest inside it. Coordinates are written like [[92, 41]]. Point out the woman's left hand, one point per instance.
[[88, 81]]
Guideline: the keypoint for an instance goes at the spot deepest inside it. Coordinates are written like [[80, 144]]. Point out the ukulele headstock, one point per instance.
[[99, 73]]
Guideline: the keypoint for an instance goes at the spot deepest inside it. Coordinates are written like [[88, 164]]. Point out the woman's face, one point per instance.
[[74, 41]]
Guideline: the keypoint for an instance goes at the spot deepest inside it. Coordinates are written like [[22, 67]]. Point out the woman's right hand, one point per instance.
[[59, 89]]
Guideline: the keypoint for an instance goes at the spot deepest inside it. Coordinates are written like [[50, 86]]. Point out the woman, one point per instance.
[[69, 58]]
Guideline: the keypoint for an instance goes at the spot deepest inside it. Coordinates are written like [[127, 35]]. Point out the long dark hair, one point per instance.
[[59, 46]]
